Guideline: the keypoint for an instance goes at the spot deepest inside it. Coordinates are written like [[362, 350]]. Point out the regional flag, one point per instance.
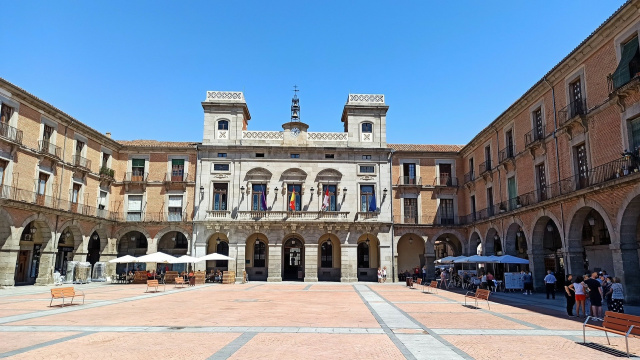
[[292, 201], [263, 199], [325, 201]]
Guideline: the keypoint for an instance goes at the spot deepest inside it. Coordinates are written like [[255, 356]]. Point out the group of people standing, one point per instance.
[[382, 274], [594, 289]]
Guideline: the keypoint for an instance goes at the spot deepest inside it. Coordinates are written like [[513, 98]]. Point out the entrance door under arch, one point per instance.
[[293, 260]]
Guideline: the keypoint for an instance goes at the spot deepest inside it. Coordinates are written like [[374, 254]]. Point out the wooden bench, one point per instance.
[[480, 294], [65, 293], [433, 285], [179, 281], [155, 284], [617, 323]]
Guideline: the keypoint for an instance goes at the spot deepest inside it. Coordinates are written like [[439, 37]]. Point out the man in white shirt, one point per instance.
[[550, 284]]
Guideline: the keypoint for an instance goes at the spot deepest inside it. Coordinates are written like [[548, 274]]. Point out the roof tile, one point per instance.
[[425, 147]]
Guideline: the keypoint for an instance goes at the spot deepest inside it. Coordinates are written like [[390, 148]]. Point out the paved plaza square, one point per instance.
[[289, 321]]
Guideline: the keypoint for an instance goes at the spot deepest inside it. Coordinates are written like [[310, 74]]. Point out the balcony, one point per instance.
[[81, 163], [47, 149], [534, 136], [621, 86], [573, 114], [485, 166], [135, 178], [409, 181], [293, 215], [446, 181], [11, 134], [508, 153], [176, 180], [218, 215], [469, 177], [107, 175], [367, 215]]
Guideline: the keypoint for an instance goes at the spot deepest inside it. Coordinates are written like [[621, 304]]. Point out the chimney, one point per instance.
[[108, 135]]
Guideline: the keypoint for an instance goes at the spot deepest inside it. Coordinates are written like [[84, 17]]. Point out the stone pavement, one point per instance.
[[287, 321]]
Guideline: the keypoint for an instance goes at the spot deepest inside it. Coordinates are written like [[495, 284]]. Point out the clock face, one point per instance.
[[295, 131]]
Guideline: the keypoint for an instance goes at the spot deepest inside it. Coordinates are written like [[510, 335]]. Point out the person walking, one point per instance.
[[443, 280], [384, 274], [570, 294], [617, 296], [595, 295], [550, 284], [424, 274], [606, 290], [527, 279], [579, 289], [379, 275]]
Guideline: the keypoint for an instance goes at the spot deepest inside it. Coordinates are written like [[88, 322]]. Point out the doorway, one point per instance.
[[293, 261], [21, 273]]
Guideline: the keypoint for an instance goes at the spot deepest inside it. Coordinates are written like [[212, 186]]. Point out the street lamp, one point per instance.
[[218, 241], [592, 221], [201, 192], [410, 240]]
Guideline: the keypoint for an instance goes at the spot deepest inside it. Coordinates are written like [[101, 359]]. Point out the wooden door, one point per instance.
[[410, 211], [21, 274]]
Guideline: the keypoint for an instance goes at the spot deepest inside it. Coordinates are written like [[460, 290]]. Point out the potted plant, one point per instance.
[[503, 208]]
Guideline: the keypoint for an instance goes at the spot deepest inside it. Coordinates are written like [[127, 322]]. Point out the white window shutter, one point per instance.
[[135, 202]]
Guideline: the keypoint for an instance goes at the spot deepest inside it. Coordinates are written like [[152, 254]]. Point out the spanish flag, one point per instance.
[[292, 202]]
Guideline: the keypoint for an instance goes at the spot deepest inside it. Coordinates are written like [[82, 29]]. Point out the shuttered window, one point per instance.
[[102, 202], [628, 65], [135, 203], [634, 132], [175, 207]]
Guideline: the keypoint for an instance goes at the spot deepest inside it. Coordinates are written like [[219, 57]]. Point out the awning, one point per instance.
[[124, 260], [158, 257], [214, 256]]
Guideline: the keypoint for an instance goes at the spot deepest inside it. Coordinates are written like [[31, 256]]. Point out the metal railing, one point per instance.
[[485, 166], [105, 171], [445, 180], [534, 135], [409, 180], [46, 147], [616, 81], [506, 153], [136, 176], [469, 177], [575, 108], [9, 132], [82, 162], [172, 177]]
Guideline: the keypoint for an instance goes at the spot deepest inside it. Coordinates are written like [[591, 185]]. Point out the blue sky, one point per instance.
[[140, 69]]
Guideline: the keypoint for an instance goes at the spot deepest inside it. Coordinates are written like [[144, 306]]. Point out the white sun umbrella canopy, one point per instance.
[[124, 260], [214, 256], [158, 257], [184, 259]]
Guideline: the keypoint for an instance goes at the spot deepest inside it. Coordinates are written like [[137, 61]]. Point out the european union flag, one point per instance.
[[372, 204]]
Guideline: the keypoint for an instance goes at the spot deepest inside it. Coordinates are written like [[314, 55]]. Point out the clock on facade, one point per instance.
[[295, 131]]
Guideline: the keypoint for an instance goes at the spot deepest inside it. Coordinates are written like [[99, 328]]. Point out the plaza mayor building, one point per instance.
[[554, 179]]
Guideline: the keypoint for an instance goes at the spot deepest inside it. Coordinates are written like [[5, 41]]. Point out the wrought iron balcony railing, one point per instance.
[[47, 148], [506, 153], [575, 108], [81, 162], [9, 132], [534, 135]]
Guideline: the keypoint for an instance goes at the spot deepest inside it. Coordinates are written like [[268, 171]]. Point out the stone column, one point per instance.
[[429, 258], [200, 250], [45, 270], [236, 251], [627, 268], [8, 263], [575, 262], [110, 253], [80, 254], [349, 263], [275, 263], [152, 247], [536, 265], [311, 262]]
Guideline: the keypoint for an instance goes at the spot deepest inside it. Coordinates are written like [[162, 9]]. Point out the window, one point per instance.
[[79, 147], [102, 202], [224, 155], [175, 207], [634, 133], [331, 201], [509, 141], [368, 169], [48, 131], [3, 167], [134, 208], [629, 65], [5, 114], [260, 155], [366, 198], [490, 201], [223, 125], [582, 166], [220, 196], [471, 175], [409, 173], [295, 156], [326, 255], [446, 178], [259, 191], [363, 255], [329, 156], [181, 241], [137, 169], [367, 127], [220, 167], [298, 199], [576, 106], [473, 207], [539, 126], [75, 193], [410, 211], [541, 179], [259, 252], [177, 169], [512, 192], [105, 160], [366, 157], [487, 157], [446, 212], [42, 183]]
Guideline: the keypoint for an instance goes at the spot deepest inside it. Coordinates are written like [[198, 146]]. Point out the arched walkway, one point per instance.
[[132, 243], [475, 244], [368, 257], [174, 243], [492, 244], [32, 266], [588, 243], [329, 258], [218, 243], [69, 248], [257, 257], [626, 262], [546, 251], [515, 242], [411, 253]]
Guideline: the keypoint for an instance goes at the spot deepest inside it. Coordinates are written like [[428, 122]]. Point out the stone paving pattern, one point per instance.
[[289, 321]]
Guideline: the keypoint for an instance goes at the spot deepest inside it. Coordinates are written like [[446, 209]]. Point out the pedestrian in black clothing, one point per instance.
[[570, 294]]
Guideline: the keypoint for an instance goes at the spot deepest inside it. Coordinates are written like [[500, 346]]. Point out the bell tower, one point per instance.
[[295, 105]]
